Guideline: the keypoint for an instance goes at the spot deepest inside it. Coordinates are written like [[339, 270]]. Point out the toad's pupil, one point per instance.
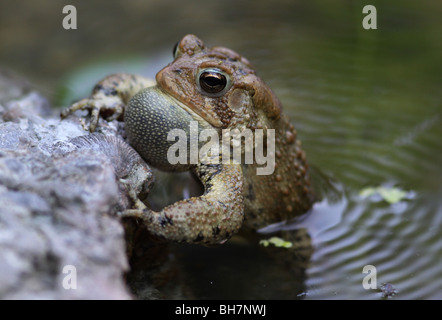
[[212, 82]]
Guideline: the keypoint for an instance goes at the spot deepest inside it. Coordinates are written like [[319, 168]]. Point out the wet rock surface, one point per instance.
[[60, 191]]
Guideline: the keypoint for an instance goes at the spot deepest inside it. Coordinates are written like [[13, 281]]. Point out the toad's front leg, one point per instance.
[[208, 219], [110, 97]]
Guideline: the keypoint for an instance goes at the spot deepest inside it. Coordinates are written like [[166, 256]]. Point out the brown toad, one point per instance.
[[218, 89]]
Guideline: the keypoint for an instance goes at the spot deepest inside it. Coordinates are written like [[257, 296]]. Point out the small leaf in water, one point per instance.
[[264, 243], [277, 242], [390, 194], [367, 192]]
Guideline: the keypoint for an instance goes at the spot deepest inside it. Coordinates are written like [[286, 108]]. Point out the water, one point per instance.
[[367, 106]]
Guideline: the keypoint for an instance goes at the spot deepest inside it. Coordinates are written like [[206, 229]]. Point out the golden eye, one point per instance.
[[213, 82]]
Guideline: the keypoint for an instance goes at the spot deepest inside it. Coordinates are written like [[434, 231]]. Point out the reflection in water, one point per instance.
[[420, 128], [375, 234], [324, 214]]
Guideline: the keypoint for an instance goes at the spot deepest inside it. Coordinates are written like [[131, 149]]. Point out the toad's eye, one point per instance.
[[213, 82]]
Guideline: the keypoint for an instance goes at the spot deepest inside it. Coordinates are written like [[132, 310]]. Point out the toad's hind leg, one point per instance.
[[208, 219]]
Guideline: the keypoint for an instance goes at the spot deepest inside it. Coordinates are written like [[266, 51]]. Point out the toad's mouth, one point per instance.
[[202, 115]]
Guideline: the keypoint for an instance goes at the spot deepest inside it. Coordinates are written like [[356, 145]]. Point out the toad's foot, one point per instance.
[[209, 219], [110, 106], [110, 97]]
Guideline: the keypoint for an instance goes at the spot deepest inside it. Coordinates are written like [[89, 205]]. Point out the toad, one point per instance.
[[219, 90]]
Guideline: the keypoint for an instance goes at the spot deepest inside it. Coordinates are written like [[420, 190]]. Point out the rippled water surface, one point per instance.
[[367, 105]]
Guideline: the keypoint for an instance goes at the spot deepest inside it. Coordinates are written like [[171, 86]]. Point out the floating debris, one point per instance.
[[277, 242], [388, 290], [389, 194]]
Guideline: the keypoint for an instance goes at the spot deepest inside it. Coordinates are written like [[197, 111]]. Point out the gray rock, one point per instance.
[[60, 191]]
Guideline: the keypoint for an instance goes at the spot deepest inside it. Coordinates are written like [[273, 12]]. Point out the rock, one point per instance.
[[60, 191]]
